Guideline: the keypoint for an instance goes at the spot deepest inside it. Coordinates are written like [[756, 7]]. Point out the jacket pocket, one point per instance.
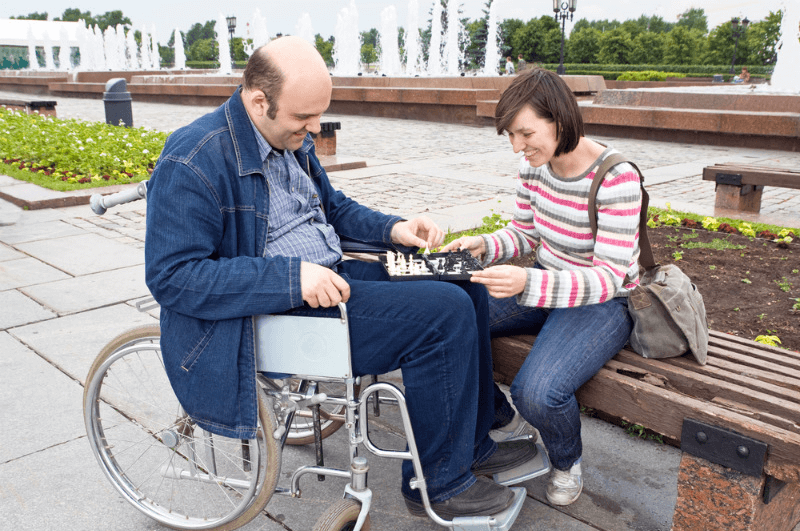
[[207, 329]]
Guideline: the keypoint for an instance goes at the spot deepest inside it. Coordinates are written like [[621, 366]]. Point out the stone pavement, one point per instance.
[[69, 281]]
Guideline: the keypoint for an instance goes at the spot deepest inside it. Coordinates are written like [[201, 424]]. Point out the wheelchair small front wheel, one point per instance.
[[341, 516], [157, 457]]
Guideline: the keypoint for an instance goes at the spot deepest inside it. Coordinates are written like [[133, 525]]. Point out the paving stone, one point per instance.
[[16, 309], [90, 291], [28, 232], [72, 343], [27, 271], [84, 254], [8, 253]]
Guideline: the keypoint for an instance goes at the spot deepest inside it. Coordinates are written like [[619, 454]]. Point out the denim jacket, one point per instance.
[[207, 223]]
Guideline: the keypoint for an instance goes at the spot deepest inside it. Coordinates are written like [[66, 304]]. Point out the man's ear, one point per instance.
[[257, 101]]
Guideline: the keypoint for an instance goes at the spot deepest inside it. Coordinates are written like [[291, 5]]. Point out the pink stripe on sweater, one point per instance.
[[617, 243], [543, 193], [573, 293], [622, 211], [543, 297], [627, 177], [562, 231]]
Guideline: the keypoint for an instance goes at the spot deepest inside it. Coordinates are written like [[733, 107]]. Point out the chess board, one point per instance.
[[434, 266]]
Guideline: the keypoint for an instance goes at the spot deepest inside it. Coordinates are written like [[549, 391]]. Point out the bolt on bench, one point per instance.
[[739, 186], [737, 420]]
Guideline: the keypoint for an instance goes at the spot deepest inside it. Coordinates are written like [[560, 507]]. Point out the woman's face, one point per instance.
[[535, 137]]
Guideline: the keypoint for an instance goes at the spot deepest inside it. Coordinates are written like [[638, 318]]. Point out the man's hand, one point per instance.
[[321, 286], [473, 244], [502, 281], [417, 232]]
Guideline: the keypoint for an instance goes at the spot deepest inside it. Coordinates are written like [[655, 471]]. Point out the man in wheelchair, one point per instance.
[[242, 220]]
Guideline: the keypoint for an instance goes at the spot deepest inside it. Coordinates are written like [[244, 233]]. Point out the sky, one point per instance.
[[284, 16]]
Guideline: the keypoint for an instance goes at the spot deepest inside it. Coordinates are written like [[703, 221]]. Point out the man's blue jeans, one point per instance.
[[571, 346], [437, 333]]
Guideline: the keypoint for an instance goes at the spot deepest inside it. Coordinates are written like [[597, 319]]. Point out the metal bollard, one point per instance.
[[117, 101]]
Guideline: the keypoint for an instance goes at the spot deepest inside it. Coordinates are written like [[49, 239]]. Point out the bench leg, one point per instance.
[[716, 498], [739, 197]]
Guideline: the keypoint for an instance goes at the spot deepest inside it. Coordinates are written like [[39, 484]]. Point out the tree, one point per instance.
[[476, 50], [648, 48], [616, 47], [370, 37], [508, 27], [112, 18], [694, 18], [74, 15], [368, 54], [31, 16], [200, 32], [583, 45], [761, 40], [203, 50], [325, 48], [683, 46]]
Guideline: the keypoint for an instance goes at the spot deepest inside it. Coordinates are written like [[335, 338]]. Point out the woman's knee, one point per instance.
[[537, 398]]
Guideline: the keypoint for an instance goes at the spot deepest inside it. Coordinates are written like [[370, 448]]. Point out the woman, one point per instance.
[[574, 298]]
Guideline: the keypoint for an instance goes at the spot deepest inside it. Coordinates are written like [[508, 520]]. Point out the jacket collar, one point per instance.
[[248, 158]]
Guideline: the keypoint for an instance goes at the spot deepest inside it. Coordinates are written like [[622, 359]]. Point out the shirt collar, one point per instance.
[[264, 149]]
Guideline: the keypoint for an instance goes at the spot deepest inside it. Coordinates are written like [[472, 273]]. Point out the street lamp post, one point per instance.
[[737, 32], [231, 28], [563, 9]]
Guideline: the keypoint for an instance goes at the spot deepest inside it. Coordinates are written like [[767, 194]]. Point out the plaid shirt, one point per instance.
[[297, 224]]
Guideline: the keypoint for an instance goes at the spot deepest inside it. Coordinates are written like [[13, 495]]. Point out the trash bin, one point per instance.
[[117, 101], [718, 78]]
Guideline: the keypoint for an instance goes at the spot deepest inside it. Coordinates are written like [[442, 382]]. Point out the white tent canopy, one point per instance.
[[20, 32]]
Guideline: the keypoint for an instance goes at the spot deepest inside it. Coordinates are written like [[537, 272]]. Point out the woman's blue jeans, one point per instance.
[[571, 346], [437, 333]]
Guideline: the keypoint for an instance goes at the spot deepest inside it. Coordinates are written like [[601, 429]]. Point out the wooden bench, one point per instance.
[[739, 186], [736, 419]]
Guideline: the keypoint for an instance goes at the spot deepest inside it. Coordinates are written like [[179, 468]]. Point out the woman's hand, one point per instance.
[[473, 244], [502, 281]]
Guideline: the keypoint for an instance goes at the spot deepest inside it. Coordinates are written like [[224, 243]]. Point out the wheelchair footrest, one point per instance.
[[536, 467], [501, 521]]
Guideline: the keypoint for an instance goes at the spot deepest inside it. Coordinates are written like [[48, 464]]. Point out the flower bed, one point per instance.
[[73, 154]]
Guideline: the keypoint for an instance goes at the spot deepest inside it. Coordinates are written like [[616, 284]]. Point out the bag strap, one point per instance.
[[645, 252]]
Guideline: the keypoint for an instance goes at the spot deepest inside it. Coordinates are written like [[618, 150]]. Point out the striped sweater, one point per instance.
[[551, 217]]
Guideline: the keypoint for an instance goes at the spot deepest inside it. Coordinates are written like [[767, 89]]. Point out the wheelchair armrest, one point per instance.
[[353, 246]]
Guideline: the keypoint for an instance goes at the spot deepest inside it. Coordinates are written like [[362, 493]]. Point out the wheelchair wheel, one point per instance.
[[341, 516], [157, 457], [331, 415]]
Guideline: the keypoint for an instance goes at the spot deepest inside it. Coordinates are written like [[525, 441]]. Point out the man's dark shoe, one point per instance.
[[509, 455], [483, 498]]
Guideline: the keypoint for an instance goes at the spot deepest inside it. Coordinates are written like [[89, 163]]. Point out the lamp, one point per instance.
[[231, 25], [737, 31], [563, 9]]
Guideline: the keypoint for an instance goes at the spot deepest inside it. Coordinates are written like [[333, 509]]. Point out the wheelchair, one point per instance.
[[184, 477]]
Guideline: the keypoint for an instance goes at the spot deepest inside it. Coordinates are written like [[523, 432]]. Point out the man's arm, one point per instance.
[[183, 267]]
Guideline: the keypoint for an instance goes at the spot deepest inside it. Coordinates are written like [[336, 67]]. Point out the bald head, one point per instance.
[[286, 60], [286, 88]]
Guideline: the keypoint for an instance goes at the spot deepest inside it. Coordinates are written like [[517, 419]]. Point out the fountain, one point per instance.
[[180, 55], [785, 77], [225, 66], [452, 48], [304, 28], [347, 48], [491, 62], [412, 39], [260, 33], [390, 53], [435, 48], [33, 61]]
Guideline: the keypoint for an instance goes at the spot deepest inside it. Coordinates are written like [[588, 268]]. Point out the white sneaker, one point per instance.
[[518, 428], [565, 485]]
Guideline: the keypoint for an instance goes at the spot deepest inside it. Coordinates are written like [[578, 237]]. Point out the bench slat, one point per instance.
[[663, 411], [717, 338], [763, 175], [738, 379], [692, 383], [776, 378], [755, 354]]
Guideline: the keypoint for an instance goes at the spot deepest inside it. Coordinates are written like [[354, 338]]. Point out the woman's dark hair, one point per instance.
[[262, 74], [550, 98]]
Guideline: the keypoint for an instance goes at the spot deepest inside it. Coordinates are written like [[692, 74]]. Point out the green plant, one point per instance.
[[712, 267], [677, 255], [761, 316], [747, 281], [770, 340], [796, 305], [710, 223], [640, 432], [795, 271], [784, 284]]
